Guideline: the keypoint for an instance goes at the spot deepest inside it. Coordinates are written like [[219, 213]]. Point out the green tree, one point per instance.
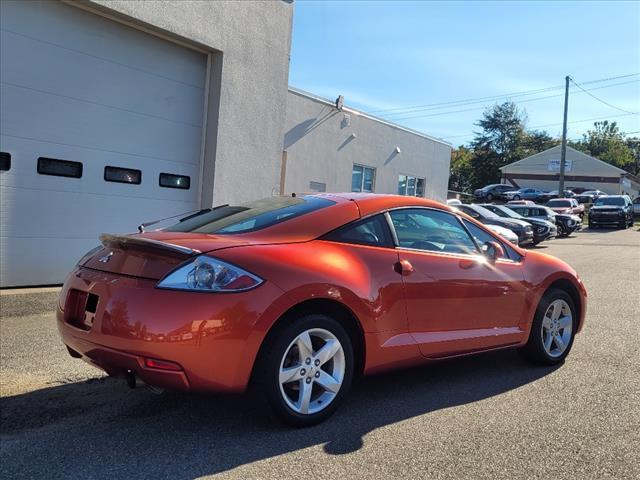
[[501, 141], [633, 143], [461, 175], [608, 144], [536, 141]]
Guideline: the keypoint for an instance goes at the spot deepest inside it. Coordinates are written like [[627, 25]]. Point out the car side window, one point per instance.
[[372, 231], [469, 211], [431, 230]]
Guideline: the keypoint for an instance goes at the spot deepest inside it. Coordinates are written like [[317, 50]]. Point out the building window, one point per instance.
[[170, 180], [5, 161], [411, 186], [122, 175], [363, 179], [317, 186], [59, 168]]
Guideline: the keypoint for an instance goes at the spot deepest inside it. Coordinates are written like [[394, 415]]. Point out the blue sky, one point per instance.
[[389, 54]]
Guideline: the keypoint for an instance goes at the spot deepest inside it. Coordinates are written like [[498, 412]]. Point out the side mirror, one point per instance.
[[492, 250]]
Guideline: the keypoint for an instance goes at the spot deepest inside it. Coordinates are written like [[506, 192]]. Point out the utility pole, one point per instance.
[[563, 151]]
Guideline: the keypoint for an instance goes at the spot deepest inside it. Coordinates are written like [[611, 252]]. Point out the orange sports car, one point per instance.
[[298, 295]]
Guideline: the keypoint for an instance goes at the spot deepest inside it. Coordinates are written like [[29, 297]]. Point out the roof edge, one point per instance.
[[360, 113]]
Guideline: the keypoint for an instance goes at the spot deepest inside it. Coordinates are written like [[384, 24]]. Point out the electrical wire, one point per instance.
[[599, 99], [493, 97]]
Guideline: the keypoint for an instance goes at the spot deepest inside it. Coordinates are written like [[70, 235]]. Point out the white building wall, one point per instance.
[[322, 144]]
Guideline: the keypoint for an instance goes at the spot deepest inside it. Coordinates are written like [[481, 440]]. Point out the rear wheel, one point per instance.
[[489, 197], [307, 369], [516, 197], [553, 329]]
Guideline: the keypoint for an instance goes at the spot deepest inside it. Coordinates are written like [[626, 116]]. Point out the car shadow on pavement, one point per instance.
[[99, 429]]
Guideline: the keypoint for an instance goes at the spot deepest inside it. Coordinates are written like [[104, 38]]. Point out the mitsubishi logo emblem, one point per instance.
[[106, 258]]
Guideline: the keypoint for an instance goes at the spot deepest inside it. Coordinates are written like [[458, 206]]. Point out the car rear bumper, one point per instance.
[[210, 339]]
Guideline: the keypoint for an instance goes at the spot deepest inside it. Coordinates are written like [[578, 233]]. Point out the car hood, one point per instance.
[[607, 208]]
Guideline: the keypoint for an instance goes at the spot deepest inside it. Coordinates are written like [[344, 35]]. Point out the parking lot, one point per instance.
[[492, 416]]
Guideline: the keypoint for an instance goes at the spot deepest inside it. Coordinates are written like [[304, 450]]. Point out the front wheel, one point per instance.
[[489, 197], [516, 197], [307, 370], [553, 329]]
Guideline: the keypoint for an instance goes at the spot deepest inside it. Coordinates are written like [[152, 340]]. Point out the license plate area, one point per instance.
[[80, 309]]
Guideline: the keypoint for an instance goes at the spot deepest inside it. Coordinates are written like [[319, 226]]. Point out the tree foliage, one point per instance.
[[504, 139]]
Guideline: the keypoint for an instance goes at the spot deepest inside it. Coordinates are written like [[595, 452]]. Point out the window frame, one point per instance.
[[60, 160], [373, 183], [188, 187], [460, 221], [407, 177], [120, 181]]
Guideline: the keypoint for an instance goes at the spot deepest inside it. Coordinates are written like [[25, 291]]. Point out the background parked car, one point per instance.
[[504, 233], [566, 223], [594, 193], [492, 192], [542, 229], [453, 201], [566, 205], [522, 229], [584, 199], [636, 206], [532, 194], [521, 202], [555, 194], [614, 210]]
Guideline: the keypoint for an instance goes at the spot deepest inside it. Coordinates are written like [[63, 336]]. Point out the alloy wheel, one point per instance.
[[557, 328], [312, 371]]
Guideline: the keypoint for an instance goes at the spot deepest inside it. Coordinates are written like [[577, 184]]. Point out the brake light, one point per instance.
[[162, 365]]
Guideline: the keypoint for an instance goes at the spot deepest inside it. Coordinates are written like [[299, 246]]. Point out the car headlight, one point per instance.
[[208, 274]]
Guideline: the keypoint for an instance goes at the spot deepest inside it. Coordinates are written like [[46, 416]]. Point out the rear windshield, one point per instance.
[[250, 217], [558, 203], [619, 201]]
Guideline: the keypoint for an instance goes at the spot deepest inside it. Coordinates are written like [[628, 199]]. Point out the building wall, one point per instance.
[[586, 172], [248, 44], [321, 147]]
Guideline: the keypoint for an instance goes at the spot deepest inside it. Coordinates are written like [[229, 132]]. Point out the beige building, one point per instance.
[[542, 171]]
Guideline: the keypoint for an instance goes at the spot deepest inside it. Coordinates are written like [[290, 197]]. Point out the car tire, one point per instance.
[[516, 197], [489, 197], [281, 355], [623, 225], [549, 326]]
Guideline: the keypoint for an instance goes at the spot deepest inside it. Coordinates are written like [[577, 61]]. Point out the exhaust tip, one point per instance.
[[132, 380]]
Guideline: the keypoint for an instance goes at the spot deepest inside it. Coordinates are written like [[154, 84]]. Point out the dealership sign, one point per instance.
[[554, 165]]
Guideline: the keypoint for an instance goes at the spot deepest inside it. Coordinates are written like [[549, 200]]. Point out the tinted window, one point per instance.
[[431, 230], [171, 180], [5, 161], [59, 168], [122, 175], [370, 231], [481, 237], [250, 216], [619, 201]]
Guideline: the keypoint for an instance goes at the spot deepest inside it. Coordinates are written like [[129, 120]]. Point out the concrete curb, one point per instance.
[[28, 301]]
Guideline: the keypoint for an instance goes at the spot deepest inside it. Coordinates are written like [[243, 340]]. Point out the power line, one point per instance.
[[599, 99], [493, 97], [517, 101]]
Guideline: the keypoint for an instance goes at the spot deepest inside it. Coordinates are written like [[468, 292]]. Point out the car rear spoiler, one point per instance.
[[125, 241]]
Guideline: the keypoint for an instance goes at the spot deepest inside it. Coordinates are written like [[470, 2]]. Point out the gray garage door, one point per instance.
[[92, 113]]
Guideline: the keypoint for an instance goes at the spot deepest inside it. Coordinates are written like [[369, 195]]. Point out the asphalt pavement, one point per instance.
[[489, 416]]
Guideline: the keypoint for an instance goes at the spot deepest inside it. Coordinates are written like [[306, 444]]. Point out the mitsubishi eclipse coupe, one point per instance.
[[296, 296]]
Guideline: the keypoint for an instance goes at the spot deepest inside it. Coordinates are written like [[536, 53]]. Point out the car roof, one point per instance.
[[369, 203]]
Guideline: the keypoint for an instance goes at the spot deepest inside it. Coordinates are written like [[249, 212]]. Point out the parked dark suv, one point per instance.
[[566, 223], [614, 210], [542, 229], [492, 192]]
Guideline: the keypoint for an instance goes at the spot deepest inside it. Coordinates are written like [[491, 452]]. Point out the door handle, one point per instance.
[[404, 267]]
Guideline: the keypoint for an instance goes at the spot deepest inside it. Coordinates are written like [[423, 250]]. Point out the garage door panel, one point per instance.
[[40, 262], [40, 116], [50, 213], [44, 67], [82, 31], [23, 173]]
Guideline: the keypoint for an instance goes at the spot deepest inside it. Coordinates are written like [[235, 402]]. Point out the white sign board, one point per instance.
[[554, 165], [626, 183]]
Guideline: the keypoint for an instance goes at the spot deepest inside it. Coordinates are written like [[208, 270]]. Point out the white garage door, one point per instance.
[[82, 94]]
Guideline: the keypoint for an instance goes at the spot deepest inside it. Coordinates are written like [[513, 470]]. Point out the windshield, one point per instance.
[[250, 217], [618, 201], [506, 212], [559, 203]]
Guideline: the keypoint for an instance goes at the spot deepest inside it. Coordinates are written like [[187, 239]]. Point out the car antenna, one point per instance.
[[189, 214]]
